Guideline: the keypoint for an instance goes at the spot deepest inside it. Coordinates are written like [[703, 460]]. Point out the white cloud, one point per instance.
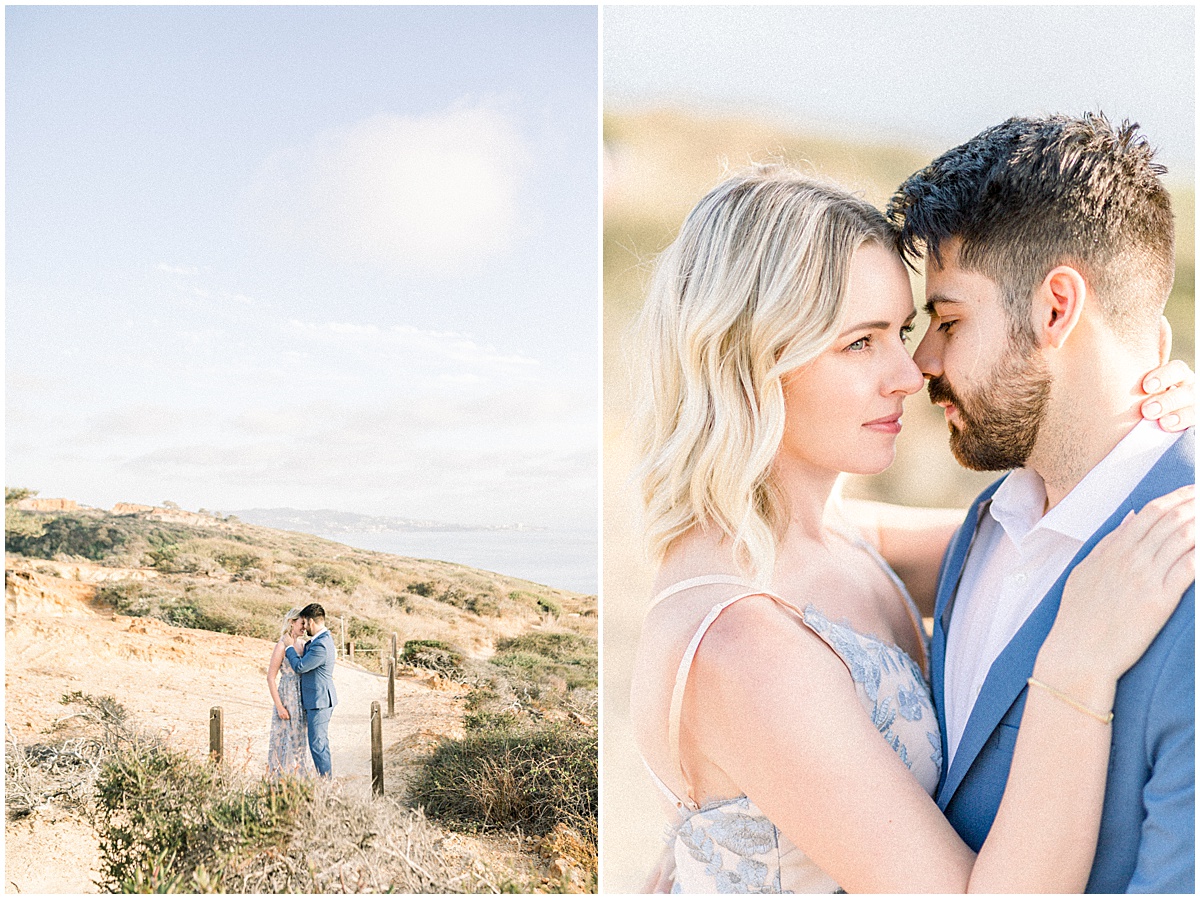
[[188, 270], [435, 193], [406, 342]]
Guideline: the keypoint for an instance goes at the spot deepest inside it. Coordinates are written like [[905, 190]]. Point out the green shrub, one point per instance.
[[432, 654], [238, 561], [496, 721], [16, 494], [536, 657], [531, 781], [331, 576], [170, 824], [483, 604], [422, 588], [549, 606], [195, 607], [91, 537], [398, 601]]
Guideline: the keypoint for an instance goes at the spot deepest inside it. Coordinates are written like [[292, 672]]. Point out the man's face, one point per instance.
[[310, 626], [994, 392]]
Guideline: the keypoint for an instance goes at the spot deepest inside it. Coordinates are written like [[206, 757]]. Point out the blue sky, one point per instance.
[[304, 256], [928, 76]]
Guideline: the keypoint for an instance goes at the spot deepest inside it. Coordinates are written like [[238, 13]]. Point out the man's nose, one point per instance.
[[928, 355]]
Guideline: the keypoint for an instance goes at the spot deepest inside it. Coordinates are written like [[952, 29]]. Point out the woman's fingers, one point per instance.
[[1174, 409], [1169, 507], [1182, 573], [1151, 545], [1174, 372]]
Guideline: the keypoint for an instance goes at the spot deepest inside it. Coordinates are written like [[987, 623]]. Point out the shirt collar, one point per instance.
[[1018, 502]]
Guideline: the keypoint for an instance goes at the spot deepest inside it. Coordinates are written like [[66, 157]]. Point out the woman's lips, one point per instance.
[[889, 425]]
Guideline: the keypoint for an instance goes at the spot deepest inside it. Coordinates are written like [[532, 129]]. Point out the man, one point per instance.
[[317, 693], [1049, 248]]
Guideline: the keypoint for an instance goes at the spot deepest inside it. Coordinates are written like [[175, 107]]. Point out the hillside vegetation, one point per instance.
[[237, 578]]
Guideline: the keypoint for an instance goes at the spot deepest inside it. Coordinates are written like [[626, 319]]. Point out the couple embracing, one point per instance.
[[804, 731], [300, 678]]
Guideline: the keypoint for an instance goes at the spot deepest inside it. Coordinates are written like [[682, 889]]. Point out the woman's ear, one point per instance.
[[1058, 302]]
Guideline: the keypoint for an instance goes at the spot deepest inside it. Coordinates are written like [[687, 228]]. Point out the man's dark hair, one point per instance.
[[1030, 194], [313, 610]]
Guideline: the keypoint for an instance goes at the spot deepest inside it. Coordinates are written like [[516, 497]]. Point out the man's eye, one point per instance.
[[944, 326]]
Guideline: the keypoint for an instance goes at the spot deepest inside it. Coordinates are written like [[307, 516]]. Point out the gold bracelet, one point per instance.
[[1103, 719]]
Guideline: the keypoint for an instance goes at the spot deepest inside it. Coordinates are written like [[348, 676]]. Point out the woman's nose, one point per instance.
[[906, 378]]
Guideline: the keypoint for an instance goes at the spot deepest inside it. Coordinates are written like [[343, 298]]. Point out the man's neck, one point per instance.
[[1095, 402], [1065, 455]]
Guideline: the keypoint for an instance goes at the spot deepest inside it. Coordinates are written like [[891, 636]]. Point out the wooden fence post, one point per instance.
[[216, 734], [376, 751], [343, 621], [391, 688], [395, 658], [351, 650]]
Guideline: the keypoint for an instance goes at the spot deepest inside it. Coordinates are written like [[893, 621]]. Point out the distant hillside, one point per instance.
[[331, 521], [227, 575]]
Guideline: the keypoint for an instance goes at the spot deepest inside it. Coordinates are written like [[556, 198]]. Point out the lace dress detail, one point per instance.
[[287, 751], [730, 846]]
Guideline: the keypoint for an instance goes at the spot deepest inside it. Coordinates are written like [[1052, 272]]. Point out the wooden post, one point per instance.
[[376, 750], [216, 734], [351, 650], [343, 621], [391, 688], [395, 658]]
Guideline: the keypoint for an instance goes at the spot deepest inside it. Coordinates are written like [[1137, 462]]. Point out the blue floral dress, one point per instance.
[[729, 845], [287, 752]]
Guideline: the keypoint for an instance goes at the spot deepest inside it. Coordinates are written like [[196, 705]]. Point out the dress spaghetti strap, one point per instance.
[[685, 667]]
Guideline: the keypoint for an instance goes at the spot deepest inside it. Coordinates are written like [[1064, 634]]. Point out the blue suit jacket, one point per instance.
[[315, 668], [1147, 834]]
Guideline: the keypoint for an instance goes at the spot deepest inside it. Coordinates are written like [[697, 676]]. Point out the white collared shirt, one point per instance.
[[1019, 553]]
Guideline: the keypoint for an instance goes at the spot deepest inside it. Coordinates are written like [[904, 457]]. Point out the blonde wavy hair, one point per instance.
[[292, 615], [753, 287]]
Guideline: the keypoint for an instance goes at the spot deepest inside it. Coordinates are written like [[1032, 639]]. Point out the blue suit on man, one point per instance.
[[1147, 831], [317, 694]]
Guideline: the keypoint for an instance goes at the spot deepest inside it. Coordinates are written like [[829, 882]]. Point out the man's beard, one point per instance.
[[1000, 421]]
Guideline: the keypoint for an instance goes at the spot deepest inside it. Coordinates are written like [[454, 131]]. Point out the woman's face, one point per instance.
[[843, 408], [296, 628]]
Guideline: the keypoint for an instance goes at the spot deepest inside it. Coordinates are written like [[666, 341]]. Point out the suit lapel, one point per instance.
[[1007, 676]]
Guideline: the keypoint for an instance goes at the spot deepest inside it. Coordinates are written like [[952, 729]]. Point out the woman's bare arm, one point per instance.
[[777, 712], [272, 677]]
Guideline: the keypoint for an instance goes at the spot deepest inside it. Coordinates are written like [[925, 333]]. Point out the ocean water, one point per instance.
[[557, 558]]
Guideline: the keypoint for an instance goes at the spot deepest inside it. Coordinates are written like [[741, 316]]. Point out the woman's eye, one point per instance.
[[905, 333], [861, 344]]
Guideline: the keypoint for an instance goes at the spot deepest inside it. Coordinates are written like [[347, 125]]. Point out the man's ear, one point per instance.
[[1164, 340], [1057, 304]]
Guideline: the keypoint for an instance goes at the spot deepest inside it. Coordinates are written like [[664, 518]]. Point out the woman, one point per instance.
[[781, 646], [288, 749]]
